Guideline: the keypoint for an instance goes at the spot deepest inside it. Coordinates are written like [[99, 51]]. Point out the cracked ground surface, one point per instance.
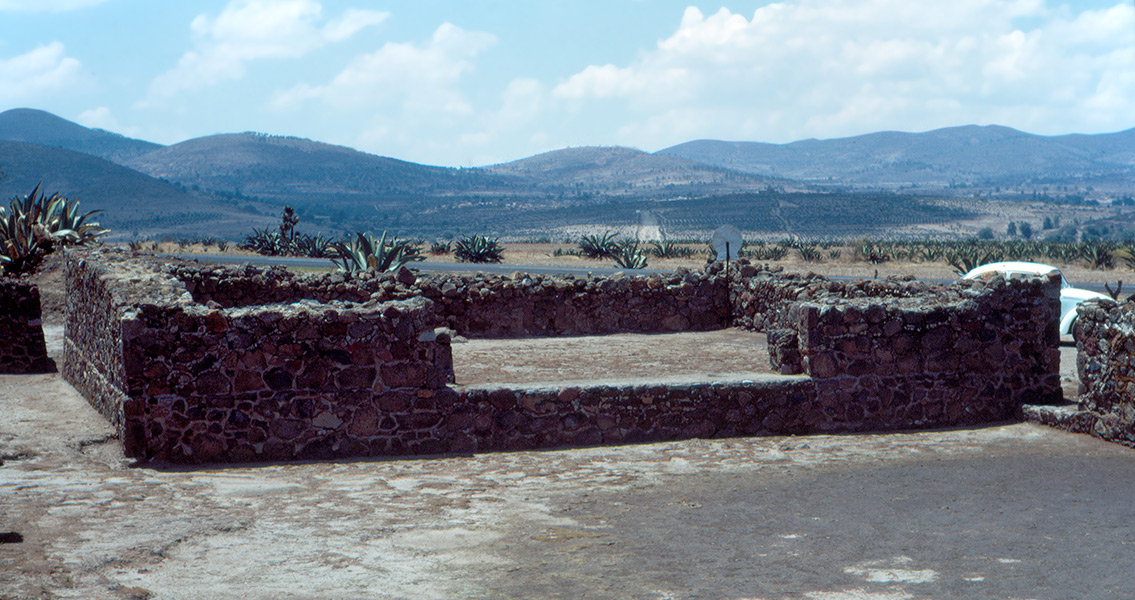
[[1010, 511]]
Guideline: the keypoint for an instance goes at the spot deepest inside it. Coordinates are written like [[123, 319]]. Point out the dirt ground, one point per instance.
[[1011, 511], [706, 355], [1008, 511]]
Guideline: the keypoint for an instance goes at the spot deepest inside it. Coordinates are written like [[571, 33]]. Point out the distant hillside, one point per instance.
[[46, 129], [224, 185], [627, 172], [136, 205], [273, 166], [952, 157]]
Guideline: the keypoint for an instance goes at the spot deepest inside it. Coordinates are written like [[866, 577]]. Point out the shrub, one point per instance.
[[367, 253], [670, 249], [598, 246], [627, 255], [267, 242], [478, 249], [313, 246], [440, 248], [776, 252], [33, 225], [810, 253]]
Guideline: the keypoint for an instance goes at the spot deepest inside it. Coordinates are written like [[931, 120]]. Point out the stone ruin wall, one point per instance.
[[206, 373], [22, 347], [976, 353], [1105, 344], [492, 306]]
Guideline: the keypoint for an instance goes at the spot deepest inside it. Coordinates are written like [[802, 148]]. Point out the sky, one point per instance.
[[477, 82]]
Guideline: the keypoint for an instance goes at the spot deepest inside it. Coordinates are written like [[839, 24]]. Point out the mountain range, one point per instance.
[[969, 156], [226, 184]]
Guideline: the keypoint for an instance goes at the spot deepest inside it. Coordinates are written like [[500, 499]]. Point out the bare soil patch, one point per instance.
[[708, 355]]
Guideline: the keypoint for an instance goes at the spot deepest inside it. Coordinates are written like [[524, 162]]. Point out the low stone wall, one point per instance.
[[486, 305], [22, 348], [975, 352], [219, 364], [1105, 343], [186, 382], [761, 298]]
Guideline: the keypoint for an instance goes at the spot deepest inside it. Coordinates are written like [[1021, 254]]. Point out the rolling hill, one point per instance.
[[619, 171], [960, 157], [135, 204], [43, 128], [280, 167], [226, 184]]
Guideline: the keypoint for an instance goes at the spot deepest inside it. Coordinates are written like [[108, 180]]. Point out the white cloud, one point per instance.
[[415, 77], [249, 30], [46, 5], [40, 71], [825, 68], [103, 118], [100, 118]]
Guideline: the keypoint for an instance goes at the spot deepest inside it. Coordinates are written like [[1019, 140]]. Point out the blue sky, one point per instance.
[[474, 82]]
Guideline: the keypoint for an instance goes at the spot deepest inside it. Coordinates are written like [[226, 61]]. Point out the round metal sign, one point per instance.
[[727, 242]]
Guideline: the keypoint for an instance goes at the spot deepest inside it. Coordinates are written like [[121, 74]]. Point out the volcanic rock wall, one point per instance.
[[1105, 342], [481, 305], [972, 353], [22, 348], [188, 382], [221, 364]]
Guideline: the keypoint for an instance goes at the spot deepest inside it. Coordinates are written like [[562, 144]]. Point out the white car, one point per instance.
[[1070, 297]]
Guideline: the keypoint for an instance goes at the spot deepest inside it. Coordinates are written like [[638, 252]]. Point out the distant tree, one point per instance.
[[1011, 230], [1026, 229], [1048, 224], [985, 233]]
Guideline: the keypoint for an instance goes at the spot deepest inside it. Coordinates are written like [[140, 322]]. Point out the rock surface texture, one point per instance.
[[1105, 344], [216, 364], [22, 348]]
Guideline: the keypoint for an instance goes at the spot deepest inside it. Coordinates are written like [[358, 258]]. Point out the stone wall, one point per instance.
[[187, 382], [972, 353], [22, 348], [487, 305], [220, 364], [1105, 343]]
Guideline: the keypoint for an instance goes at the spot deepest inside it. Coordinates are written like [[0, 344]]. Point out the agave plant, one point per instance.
[[627, 255], [266, 241], [367, 253], [810, 253], [1127, 255], [670, 249], [313, 246], [598, 246], [33, 225], [966, 258], [478, 249], [440, 248], [1099, 255], [775, 252]]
